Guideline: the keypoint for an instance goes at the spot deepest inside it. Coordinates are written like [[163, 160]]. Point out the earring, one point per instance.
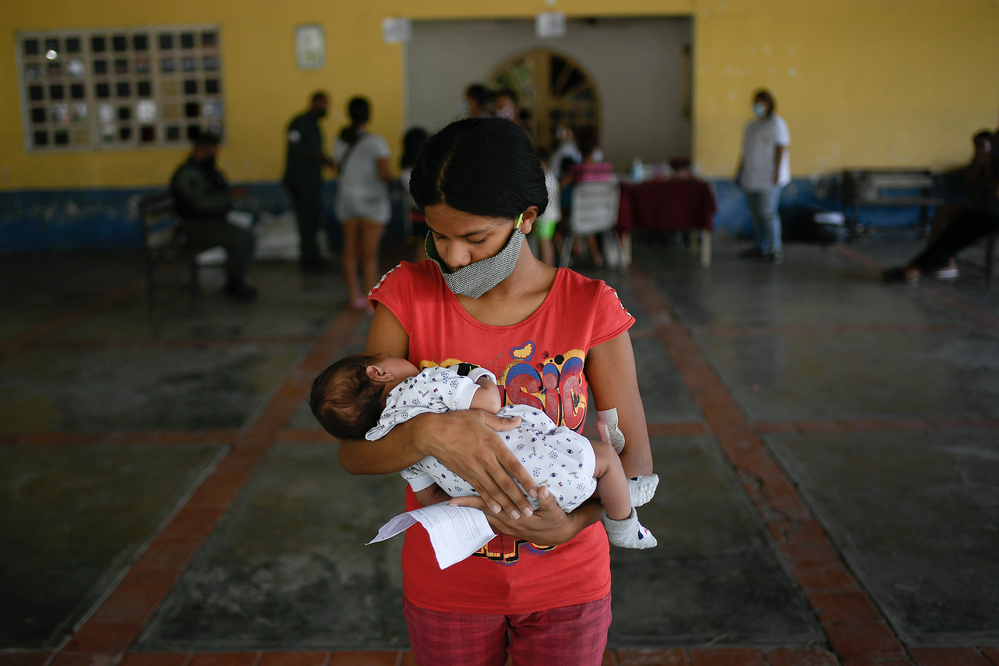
[[520, 219]]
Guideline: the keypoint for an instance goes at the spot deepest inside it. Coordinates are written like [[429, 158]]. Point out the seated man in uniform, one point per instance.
[[203, 199]]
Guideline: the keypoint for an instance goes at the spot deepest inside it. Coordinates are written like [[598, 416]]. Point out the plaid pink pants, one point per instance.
[[567, 636]]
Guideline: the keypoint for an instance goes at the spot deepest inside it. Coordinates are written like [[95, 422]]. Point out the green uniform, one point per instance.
[[303, 178], [202, 199]]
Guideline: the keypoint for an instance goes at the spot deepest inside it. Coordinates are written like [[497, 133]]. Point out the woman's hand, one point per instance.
[[548, 526], [466, 443]]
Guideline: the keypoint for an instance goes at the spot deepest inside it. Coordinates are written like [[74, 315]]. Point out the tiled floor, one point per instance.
[[828, 448]]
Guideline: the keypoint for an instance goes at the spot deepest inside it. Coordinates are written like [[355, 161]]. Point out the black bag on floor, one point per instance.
[[813, 225]]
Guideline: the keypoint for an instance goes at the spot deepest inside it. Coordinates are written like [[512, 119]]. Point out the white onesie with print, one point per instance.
[[556, 456]]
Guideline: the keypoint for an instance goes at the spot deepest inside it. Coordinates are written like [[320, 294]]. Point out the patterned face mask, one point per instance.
[[477, 278]]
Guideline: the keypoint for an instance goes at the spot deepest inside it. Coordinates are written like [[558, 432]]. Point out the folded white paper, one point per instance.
[[455, 531]]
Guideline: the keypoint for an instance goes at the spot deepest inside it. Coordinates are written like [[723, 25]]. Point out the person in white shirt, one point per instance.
[[362, 200], [764, 169]]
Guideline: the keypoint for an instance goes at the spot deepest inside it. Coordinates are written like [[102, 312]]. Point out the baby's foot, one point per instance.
[[629, 533], [643, 489]]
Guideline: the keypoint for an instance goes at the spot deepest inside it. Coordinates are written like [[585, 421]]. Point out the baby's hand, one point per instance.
[[487, 397], [432, 495]]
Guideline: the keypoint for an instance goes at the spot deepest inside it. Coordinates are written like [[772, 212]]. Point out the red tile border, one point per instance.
[[948, 657], [24, 658], [373, 658], [775, 428], [101, 636], [809, 551], [843, 606], [224, 659], [891, 661], [669, 657], [155, 659], [726, 657], [129, 606], [85, 659], [826, 578], [991, 653], [863, 640], [800, 657], [294, 659], [818, 426]]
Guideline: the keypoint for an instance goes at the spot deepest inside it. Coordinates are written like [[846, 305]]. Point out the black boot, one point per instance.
[[238, 289]]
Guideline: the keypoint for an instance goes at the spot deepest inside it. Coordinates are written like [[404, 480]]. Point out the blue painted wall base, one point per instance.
[[107, 219]]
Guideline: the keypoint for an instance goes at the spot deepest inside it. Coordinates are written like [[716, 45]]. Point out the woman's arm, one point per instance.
[[383, 170], [463, 441], [610, 371]]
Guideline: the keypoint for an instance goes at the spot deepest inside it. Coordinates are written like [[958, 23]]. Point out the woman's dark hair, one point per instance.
[[412, 143], [588, 139], [345, 400], [763, 92], [359, 110], [482, 166]]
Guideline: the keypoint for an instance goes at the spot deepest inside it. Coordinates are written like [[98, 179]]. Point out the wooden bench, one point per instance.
[[889, 187], [163, 242]]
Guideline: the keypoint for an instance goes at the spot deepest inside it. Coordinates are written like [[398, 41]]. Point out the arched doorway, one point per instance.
[[553, 89]]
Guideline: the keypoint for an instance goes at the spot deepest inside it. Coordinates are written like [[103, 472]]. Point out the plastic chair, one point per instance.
[[594, 211]]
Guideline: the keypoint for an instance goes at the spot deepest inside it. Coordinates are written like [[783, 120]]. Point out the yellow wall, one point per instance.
[[860, 82]]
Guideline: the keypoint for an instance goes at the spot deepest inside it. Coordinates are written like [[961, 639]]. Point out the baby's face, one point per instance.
[[399, 367]]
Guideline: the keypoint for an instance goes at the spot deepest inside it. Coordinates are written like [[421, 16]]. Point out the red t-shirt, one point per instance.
[[539, 362]]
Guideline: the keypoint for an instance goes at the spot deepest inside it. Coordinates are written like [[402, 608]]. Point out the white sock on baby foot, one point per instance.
[[629, 533], [643, 489]]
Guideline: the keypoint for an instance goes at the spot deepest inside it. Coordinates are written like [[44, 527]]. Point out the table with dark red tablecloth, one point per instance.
[[676, 204], [666, 205]]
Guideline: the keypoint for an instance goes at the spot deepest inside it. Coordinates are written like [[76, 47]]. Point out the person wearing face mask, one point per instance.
[[540, 590], [303, 179], [505, 105], [764, 169], [203, 199]]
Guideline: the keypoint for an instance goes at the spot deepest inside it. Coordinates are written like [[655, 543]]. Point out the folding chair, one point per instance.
[[163, 242], [594, 211]]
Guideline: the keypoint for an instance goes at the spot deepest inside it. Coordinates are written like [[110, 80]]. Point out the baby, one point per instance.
[[366, 395]]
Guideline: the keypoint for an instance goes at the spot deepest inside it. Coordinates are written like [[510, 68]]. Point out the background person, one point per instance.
[[202, 199], [479, 100], [541, 590], [303, 179], [567, 149], [505, 105], [980, 218], [412, 143], [362, 200], [764, 170], [591, 169], [549, 219], [982, 147]]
